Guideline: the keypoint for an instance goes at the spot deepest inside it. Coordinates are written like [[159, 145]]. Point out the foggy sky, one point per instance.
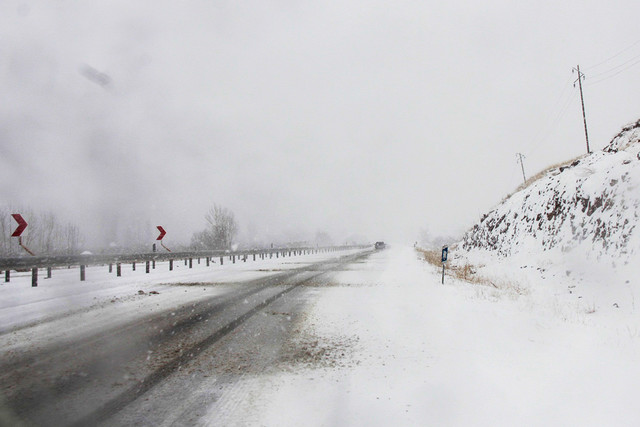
[[351, 117]]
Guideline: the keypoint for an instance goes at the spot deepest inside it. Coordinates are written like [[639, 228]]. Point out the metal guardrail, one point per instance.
[[49, 262]]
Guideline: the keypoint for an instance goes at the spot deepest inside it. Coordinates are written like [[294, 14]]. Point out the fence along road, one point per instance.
[[49, 262]]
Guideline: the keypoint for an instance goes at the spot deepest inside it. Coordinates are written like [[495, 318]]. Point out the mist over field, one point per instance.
[[357, 120]]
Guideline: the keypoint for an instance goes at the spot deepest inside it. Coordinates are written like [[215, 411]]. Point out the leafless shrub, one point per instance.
[[432, 256], [466, 272]]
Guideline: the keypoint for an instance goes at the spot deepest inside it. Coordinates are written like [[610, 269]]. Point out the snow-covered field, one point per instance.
[[417, 352]]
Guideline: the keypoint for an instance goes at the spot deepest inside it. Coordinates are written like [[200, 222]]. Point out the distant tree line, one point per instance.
[[45, 234]]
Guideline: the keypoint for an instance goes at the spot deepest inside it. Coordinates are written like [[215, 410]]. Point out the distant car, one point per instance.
[[380, 245]]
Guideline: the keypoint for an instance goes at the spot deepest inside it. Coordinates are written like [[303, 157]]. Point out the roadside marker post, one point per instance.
[[22, 224], [160, 237], [445, 255]]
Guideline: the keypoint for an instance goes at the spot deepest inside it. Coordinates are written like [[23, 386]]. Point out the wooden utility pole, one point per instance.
[[520, 157], [584, 116]]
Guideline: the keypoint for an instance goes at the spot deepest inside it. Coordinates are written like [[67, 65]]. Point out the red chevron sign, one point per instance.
[[22, 224], [162, 232]]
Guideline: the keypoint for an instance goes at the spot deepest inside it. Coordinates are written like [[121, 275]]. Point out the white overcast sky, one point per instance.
[[376, 118]]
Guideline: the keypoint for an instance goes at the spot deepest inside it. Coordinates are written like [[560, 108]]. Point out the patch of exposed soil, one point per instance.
[[308, 350], [324, 284], [195, 284]]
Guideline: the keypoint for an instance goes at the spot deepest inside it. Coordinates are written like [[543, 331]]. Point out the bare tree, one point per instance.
[[6, 248], [73, 239], [220, 231]]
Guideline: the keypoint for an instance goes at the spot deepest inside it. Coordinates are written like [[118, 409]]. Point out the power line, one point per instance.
[[615, 68], [612, 57], [554, 119], [615, 74], [553, 115]]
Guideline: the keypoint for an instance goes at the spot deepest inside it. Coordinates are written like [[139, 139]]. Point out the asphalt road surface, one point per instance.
[[165, 369]]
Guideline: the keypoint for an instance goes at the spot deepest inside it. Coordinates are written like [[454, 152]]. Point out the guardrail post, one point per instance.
[[208, 261], [170, 265], [234, 258], [254, 256], [118, 269], [147, 267], [185, 261], [190, 262], [7, 276], [221, 260], [153, 264], [198, 260], [110, 268], [134, 266], [48, 272], [34, 277], [245, 258], [82, 273]]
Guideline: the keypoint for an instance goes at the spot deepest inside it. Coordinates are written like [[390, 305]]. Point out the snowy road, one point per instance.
[[371, 340], [131, 372]]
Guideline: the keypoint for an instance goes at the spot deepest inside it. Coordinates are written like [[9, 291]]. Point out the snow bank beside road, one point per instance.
[[458, 354], [590, 206]]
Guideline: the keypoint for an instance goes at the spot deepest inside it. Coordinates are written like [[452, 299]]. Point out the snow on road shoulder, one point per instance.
[[421, 353]]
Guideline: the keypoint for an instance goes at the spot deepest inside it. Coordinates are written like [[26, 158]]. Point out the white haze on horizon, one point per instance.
[[354, 118]]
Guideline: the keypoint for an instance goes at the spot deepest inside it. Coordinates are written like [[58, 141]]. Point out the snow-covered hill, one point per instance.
[[590, 206]]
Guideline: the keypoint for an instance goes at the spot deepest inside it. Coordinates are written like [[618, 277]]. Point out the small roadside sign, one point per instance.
[[161, 236], [445, 255]]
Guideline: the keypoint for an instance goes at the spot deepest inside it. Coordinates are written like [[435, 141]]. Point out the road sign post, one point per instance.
[[22, 224], [445, 255], [161, 236]]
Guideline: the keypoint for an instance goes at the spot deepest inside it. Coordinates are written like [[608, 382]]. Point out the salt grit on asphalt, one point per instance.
[[416, 352]]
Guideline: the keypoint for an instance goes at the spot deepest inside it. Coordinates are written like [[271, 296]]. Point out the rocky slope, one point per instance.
[[592, 203]]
